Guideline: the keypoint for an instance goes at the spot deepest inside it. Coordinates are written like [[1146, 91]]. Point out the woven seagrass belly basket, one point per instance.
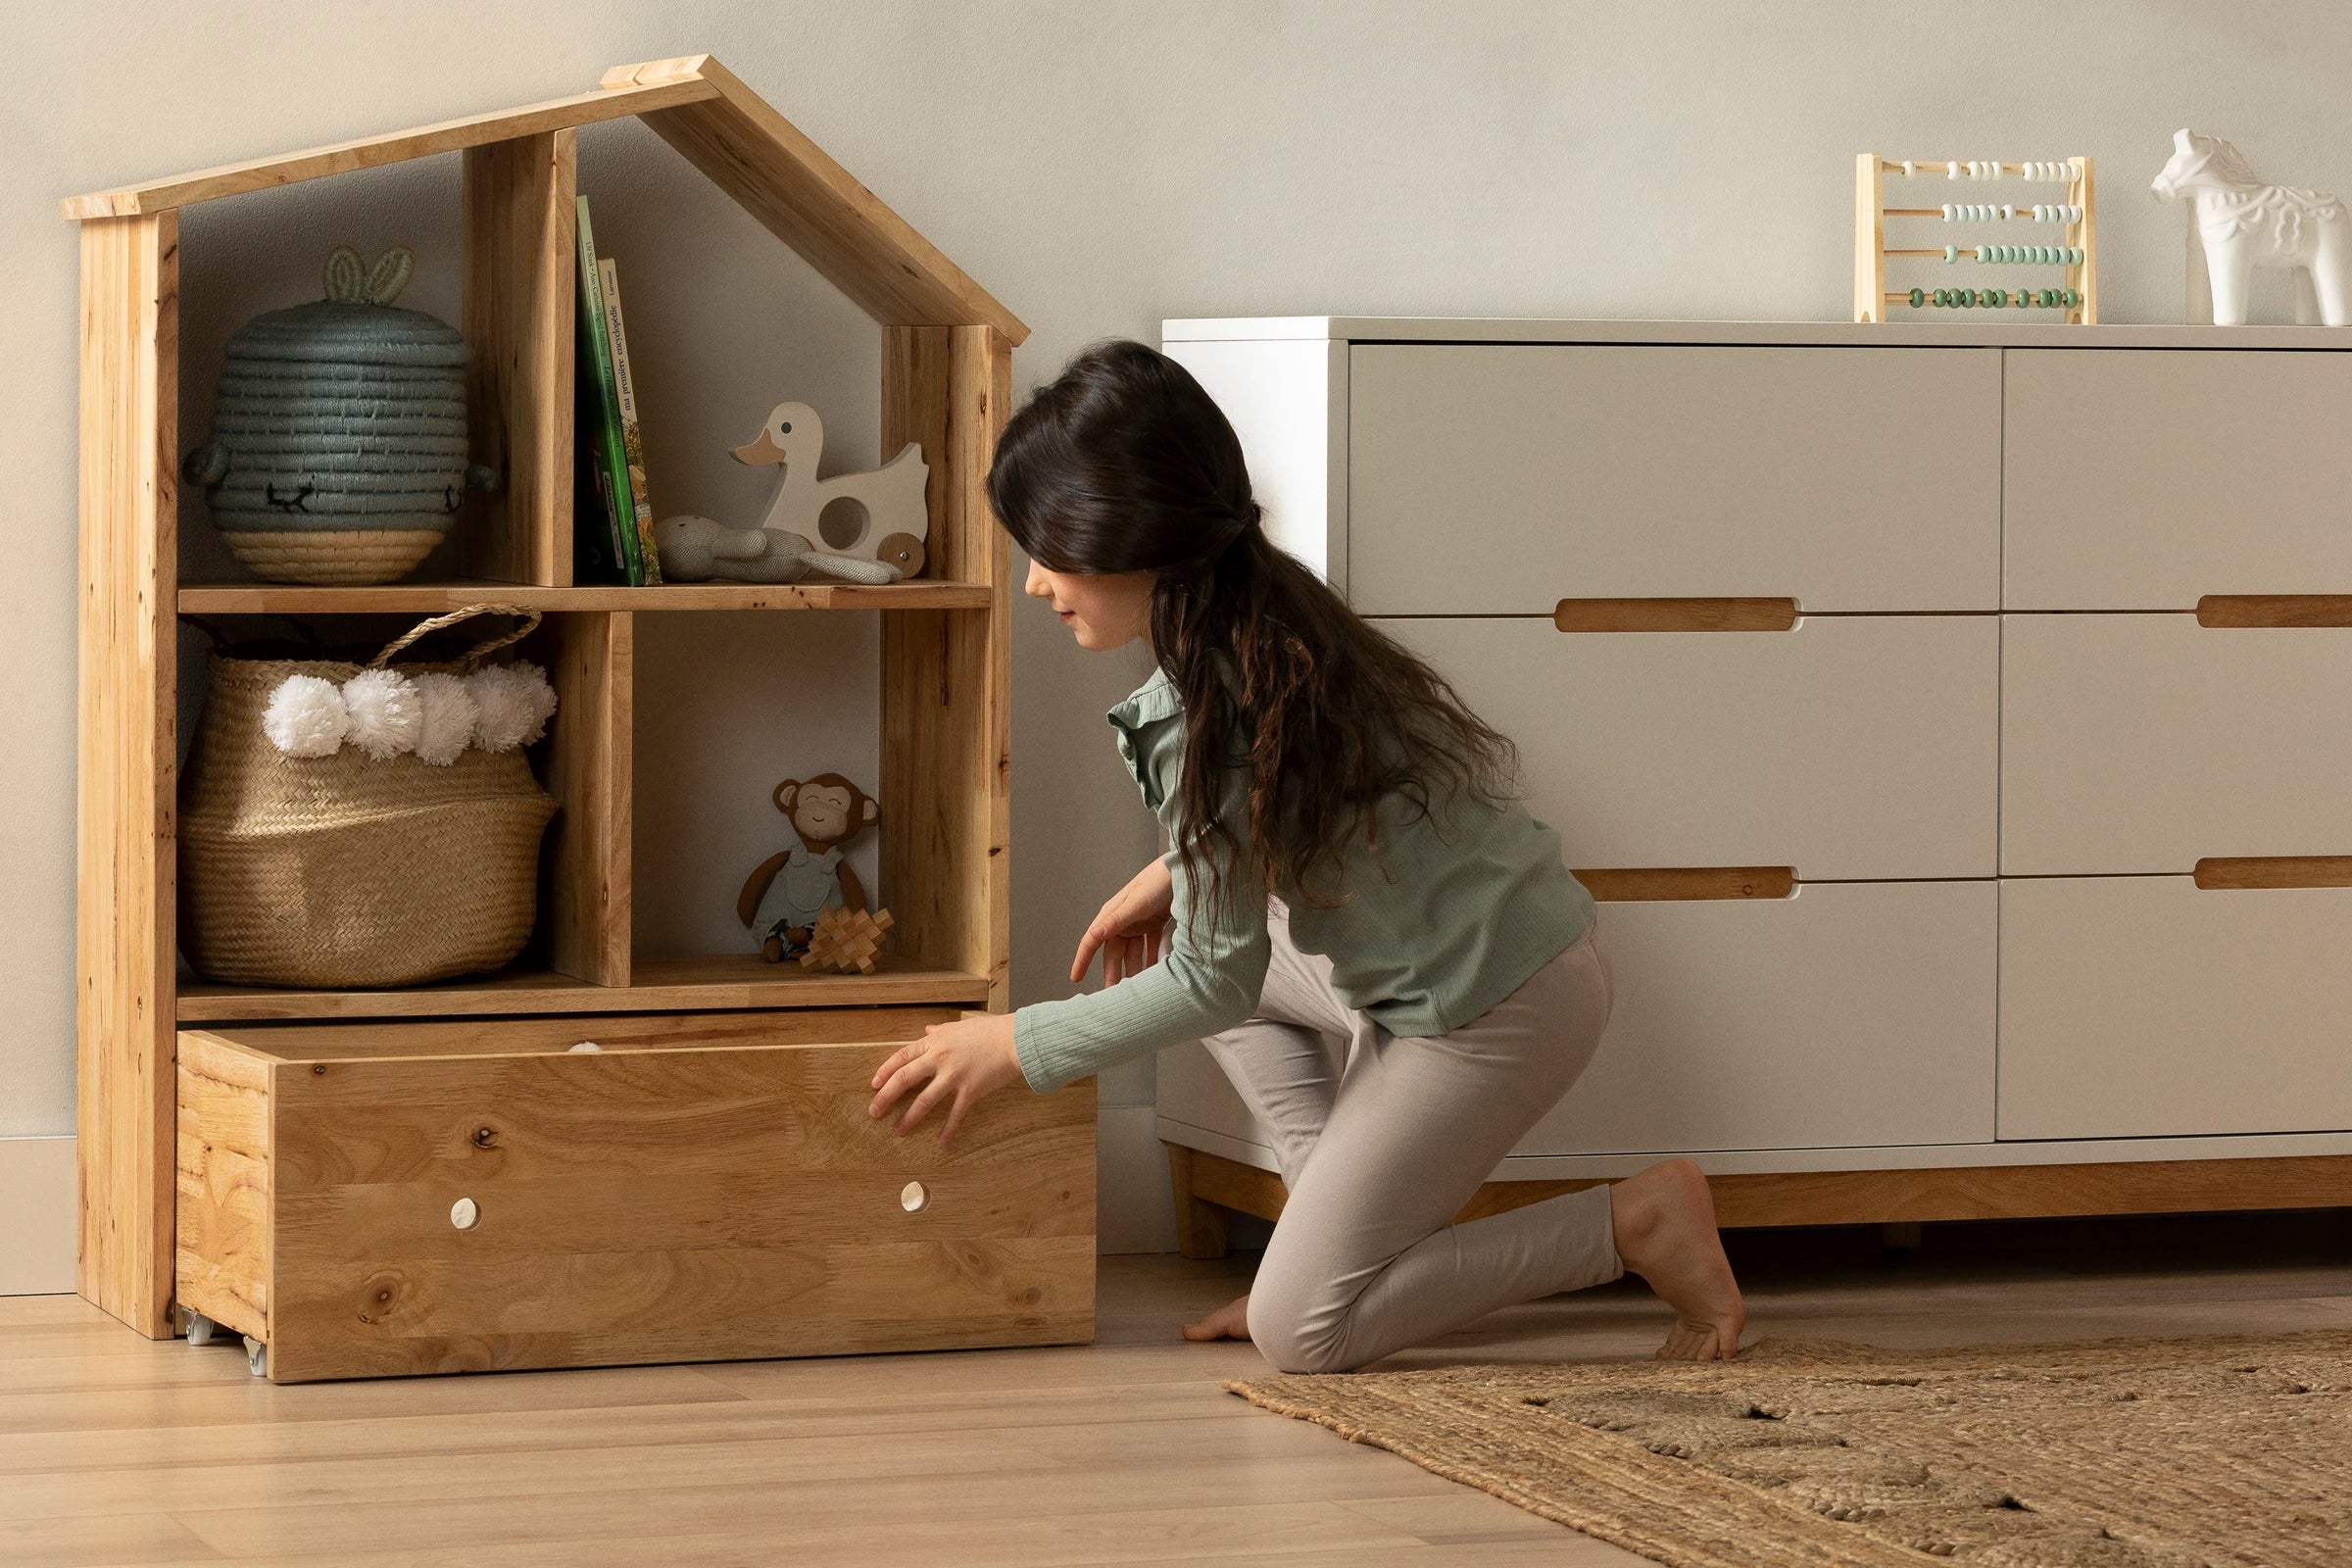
[[339, 438], [352, 869]]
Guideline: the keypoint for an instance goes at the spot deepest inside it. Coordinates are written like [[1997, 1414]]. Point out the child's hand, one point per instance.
[[966, 1061], [1131, 929]]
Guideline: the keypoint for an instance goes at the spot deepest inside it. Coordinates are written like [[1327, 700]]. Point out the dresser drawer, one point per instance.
[[703, 1187], [1502, 478], [1845, 1016], [2149, 1008], [2143, 743], [1850, 746], [2146, 479]]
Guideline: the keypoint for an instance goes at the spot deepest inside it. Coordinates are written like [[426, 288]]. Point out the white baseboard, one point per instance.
[[36, 1221]]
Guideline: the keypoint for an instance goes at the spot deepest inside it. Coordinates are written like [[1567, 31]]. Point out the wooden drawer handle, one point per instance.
[[2224, 874], [1622, 885], [2274, 610], [1675, 615]]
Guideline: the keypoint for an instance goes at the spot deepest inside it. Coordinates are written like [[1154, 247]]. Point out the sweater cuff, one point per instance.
[[1026, 1050]]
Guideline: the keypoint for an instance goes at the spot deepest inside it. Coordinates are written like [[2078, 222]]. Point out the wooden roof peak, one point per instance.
[[739, 143]]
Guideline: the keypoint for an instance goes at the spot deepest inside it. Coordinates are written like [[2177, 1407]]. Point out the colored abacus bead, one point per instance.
[[1918, 297]]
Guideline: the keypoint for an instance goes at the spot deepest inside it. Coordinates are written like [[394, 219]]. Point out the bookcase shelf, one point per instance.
[[944, 764], [234, 599], [695, 984]]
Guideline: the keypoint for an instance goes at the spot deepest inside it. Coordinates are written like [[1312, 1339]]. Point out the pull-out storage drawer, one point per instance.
[[2145, 743], [1843, 1016], [2146, 1007], [1848, 748], [2144, 480], [1502, 478], [386, 1198]]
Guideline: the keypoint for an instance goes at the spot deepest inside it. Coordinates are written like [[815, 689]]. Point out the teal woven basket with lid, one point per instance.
[[338, 450]]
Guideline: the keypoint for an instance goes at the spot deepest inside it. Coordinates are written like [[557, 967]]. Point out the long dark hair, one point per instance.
[[1124, 464]]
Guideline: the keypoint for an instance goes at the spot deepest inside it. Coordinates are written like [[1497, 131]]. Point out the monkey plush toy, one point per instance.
[[782, 899]]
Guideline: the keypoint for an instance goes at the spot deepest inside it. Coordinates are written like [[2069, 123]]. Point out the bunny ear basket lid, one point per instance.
[[357, 825], [338, 450]]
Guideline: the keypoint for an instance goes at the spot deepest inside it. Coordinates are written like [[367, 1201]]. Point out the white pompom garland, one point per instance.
[[387, 715], [307, 717], [448, 718], [385, 718], [515, 703]]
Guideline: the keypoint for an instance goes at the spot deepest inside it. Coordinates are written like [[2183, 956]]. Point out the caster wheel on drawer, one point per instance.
[[257, 1356], [200, 1328]]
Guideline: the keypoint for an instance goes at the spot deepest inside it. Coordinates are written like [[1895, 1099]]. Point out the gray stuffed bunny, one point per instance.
[[696, 548]]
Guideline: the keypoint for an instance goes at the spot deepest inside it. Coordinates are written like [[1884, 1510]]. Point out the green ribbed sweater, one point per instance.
[[1474, 901]]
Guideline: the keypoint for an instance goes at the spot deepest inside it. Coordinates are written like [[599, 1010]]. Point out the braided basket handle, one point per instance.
[[481, 649]]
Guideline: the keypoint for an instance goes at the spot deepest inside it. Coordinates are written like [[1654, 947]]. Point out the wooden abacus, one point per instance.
[[2077, 250]]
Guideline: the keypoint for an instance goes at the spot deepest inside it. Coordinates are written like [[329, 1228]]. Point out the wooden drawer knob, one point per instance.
[[914, 1198]]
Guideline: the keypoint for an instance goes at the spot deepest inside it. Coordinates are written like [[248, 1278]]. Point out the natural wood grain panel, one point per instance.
[[812, 203], [1201, 1230], [657, 985], [661, 1205], [2274, 610], [1675, 615], [1877, 1197], [223, 1184], [254, 599], [946, 738], [916, 371], [520, 266], [123, 923], [585, 904], [1625, 884], [2275, 871], [526, 1036], [392, 147]]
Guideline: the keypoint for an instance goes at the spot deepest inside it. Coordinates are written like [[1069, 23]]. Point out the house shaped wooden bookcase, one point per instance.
[[706, 1181]]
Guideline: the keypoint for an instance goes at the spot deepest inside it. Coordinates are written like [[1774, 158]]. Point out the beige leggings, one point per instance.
[[1381, 1140]]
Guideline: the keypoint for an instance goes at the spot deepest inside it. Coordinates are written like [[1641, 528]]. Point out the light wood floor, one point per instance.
[[115, 1450]]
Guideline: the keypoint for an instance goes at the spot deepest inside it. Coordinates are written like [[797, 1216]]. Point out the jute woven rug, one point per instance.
[[2113, 1453]]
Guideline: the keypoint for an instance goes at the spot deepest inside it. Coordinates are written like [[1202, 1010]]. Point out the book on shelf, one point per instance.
[[632, 437], [595, 521], [611, 451]]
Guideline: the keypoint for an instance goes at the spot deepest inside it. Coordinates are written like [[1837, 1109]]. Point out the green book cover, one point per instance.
[[595, 525], [632, 437], [612, 455]]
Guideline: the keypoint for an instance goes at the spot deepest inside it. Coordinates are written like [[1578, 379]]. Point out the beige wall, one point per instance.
[[1099, 166]]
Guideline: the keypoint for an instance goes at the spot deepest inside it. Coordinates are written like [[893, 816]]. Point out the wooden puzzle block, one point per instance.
[[845, 940]]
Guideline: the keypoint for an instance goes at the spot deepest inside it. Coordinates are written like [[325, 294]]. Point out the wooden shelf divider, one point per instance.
[[586, 896], [946, 759], [519, 264]]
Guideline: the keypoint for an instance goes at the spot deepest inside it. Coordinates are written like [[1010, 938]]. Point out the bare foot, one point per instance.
[[1228, 1322], [1664, 1221]]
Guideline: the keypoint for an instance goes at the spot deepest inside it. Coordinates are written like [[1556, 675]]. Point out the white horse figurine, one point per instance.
[[2237, 223]]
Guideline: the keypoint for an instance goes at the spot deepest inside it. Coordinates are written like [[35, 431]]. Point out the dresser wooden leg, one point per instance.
[[1199, 1224]]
